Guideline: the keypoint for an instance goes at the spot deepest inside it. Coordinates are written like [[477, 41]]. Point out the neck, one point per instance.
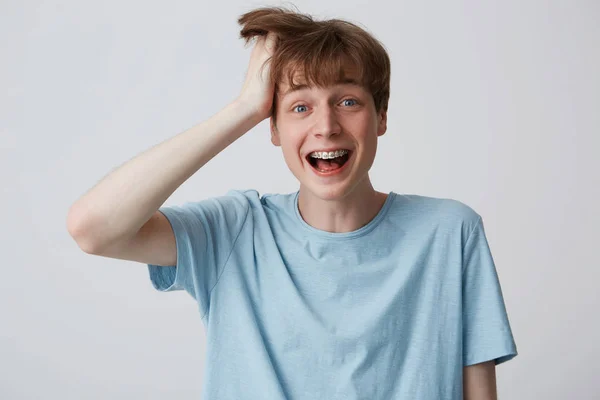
[[341, 213]]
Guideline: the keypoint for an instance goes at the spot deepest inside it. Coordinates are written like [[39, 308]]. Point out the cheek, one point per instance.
[[290, 146], [290, 136]]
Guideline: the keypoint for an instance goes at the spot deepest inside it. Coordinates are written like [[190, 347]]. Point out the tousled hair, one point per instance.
[[323, 51]]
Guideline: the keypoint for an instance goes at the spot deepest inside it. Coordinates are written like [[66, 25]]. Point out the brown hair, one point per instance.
[[322, 50]]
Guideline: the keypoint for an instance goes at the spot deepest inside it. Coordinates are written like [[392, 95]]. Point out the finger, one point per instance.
[[271, 41]]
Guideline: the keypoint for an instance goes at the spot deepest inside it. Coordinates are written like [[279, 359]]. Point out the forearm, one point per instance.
[[479, 381], [127, 197]]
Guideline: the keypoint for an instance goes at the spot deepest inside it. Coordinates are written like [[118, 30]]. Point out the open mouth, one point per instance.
[[328, 165]]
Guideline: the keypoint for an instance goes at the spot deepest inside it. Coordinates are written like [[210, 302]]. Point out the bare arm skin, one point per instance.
[[119, 216], [479, 381]]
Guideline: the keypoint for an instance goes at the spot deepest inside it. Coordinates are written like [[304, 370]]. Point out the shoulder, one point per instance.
[[439, 210], [279, 202], [250, 201], [230, 209], [251, 198], [439, 206]]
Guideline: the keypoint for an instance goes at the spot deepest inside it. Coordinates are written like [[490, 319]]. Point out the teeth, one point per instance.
[[328, 155]]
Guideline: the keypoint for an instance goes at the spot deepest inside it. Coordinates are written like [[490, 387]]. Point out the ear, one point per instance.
[[382, 125], [274, 133]]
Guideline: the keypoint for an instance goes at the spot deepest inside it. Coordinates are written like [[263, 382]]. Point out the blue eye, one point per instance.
[[350, 100], [299, 106]]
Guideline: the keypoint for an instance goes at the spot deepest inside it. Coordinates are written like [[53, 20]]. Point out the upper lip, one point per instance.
[[328, 149]]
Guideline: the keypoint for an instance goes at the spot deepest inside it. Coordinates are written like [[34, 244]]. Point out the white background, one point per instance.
[[495, 104]]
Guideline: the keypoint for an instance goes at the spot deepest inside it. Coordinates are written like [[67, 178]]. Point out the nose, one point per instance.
[[326, 122]]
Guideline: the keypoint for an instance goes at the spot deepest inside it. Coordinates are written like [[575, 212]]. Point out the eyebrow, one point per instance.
[[345, 81]]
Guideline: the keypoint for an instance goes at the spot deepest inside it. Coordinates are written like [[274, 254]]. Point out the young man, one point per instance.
[[336, 291]]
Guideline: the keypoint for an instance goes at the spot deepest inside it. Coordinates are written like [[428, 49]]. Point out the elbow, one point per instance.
[[79, 230]]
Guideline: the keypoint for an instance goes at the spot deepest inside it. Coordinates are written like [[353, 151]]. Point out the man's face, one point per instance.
[[339, 117]]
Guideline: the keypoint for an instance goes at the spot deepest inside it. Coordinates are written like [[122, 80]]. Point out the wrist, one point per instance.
[[249, 110]]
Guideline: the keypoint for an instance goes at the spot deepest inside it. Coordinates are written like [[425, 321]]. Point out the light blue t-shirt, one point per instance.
[[393, 310]]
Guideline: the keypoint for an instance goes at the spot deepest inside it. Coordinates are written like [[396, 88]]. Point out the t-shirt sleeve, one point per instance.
[[487, 334], [205, 233]]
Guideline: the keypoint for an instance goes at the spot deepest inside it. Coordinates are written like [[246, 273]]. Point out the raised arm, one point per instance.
[[118, 216]]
